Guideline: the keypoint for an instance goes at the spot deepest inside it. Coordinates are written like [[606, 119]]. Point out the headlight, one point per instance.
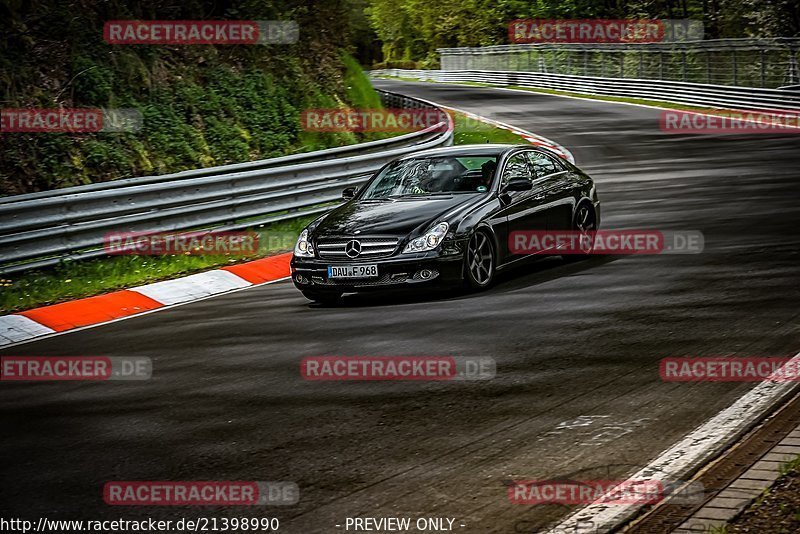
[[303, 247], [432, 239]]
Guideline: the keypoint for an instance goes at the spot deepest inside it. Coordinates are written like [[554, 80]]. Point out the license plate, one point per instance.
[[353, 271]]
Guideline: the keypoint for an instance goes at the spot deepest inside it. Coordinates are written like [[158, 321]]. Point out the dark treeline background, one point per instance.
[[412, 30]]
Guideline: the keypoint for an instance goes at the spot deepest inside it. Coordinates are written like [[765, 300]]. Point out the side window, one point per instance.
[[544, 164], [517, 166]]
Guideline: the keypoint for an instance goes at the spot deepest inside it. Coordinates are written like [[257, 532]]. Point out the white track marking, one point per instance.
[[148, 312], [192, 287], [697, 448], [17, 328]]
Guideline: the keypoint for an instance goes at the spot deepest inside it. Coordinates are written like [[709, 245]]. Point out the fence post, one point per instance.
[[763, 68], [735, 68], [585, 62], [794, 76], [708, 66], [660, 65]]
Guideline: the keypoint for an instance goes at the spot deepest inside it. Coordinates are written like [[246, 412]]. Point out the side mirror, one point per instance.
[[349, 193], [517, 184]]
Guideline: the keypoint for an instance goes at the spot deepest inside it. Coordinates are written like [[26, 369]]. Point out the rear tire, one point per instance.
[[479, 261], [326, 299]]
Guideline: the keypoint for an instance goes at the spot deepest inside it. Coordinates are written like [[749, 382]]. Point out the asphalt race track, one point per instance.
[[577, 347]]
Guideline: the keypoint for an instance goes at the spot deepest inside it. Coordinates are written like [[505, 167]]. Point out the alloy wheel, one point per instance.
[[480, 259], [585, 224]]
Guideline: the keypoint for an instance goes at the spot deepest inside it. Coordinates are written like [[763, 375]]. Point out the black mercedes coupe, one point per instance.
[[441, 217]]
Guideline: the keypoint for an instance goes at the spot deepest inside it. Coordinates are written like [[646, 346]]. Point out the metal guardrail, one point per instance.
[[735, 62], [42, 229], [745, 98]]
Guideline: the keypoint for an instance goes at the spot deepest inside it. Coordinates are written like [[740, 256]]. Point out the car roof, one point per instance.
[[467, 150]]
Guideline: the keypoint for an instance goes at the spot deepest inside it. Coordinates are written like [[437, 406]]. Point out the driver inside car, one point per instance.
[[436, 178]]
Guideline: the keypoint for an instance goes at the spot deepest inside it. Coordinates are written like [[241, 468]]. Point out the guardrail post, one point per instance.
[[585, 62], [683, 64], [735, 67], [660, 65], [622, 64], [708, 67], [763, 68], [641, 64]]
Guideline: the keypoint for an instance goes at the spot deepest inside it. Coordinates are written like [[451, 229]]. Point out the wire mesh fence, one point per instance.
[[769, 63]]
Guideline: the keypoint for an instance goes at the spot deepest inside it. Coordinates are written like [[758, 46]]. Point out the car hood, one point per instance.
[[390, 217]]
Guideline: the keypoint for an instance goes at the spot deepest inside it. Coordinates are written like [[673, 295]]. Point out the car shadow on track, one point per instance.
[[531, 273]]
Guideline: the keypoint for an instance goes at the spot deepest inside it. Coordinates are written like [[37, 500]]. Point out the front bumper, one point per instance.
[[396, 272]]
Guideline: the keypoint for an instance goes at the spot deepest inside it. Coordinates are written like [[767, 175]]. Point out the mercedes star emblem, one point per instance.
[[352, 249]]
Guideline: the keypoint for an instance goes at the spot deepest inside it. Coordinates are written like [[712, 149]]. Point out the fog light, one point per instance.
[[301, 279], [425, 274]]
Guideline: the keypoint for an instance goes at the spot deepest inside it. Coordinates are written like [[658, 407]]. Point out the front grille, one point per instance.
[[335, 248]]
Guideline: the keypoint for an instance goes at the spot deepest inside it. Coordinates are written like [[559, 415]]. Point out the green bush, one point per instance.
[[201, 105]]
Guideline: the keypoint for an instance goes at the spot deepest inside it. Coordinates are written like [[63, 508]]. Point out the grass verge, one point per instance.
[[79, 279], [470, 131]]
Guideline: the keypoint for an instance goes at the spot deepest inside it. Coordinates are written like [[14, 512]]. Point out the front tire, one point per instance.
[[479, 261], [326, 299], [585, 222]]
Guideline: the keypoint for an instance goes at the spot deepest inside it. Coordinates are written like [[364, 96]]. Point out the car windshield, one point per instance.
[[433, 176]]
